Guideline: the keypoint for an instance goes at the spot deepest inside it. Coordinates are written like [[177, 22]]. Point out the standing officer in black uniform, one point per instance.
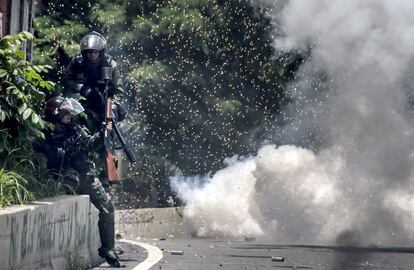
[[67, 147], [83, 77]]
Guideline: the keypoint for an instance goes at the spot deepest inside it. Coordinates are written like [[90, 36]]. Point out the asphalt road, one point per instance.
[[210, 254]]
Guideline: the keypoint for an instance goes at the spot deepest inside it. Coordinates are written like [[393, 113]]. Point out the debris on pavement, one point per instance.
[[118, 250], [119, 235], [277, 259], [177, 252], [249, 238]]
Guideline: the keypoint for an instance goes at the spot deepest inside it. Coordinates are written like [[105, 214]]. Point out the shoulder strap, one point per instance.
[[107, 60]]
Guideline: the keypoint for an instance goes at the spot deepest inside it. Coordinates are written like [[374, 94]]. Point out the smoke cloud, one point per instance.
[[349, 179]]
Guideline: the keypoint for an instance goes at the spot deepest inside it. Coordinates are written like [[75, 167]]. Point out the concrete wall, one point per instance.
[[151, 223], [58, 233]]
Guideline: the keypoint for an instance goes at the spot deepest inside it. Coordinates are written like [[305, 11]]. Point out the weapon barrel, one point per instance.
[[130, 155]]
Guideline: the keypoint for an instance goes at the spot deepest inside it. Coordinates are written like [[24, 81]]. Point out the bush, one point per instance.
[[22, 93]]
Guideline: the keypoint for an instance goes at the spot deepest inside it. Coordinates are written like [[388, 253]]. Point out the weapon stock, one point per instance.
[[110, 159]]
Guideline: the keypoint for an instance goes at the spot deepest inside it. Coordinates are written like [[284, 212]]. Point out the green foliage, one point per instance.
[[20, 184], [26, 180], [22, 90], [60, 23], [12, 188], [22, 93], [46, 187]]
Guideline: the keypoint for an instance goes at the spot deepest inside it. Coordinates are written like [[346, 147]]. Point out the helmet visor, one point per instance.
[[71, 106]]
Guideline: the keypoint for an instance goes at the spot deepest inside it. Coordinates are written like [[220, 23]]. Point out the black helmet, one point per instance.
[[93, 41], [57, 107]]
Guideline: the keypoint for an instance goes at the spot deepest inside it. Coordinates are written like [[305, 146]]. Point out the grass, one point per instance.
[[13, 188], [76, 259], [26, 181]]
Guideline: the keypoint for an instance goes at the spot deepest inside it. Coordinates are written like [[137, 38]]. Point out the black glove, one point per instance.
[[40, 146], [85, 90], [71, 178]]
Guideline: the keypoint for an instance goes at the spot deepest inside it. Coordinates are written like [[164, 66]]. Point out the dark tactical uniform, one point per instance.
[[66, 149], [84, 78]]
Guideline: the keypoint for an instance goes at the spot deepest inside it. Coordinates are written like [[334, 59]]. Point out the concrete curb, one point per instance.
[[56, 233], [151, 223]]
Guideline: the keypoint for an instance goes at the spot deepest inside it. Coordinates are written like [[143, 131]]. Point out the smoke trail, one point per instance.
[[350, 105]]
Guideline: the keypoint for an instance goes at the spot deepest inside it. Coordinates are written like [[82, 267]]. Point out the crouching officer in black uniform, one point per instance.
[[66, 148]]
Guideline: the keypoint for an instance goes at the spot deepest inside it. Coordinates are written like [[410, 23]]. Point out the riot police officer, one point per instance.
[[83, 77], [66, 148], [83, 74]]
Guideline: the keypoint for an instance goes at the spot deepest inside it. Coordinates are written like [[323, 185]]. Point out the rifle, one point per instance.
[[130, 155], [110, 159]]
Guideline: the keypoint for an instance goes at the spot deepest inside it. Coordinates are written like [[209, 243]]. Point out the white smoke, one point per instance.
[[215, 208], [359, 184]]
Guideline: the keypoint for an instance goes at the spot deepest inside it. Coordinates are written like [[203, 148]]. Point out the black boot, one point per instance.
[[110, 256]]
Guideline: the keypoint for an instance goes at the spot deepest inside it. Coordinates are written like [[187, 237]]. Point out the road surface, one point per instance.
[[211, 254]]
